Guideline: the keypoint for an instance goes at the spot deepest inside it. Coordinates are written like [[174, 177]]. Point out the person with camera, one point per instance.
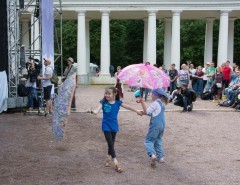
[[184, 98], [173, 74], [47, 85], [31, 83]]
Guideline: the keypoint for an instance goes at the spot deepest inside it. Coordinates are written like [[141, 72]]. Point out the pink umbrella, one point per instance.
[[143, 75]]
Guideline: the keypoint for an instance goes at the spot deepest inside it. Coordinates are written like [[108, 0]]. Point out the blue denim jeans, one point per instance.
[[198, 86], [144, 90], [32, 93], [232, 94], [208, 86], [173, 86], [153, 141], [227, 92], [183, 81]]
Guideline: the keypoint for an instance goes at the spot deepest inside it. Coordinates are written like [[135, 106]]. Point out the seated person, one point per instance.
[[233, 85], [233, 96], [184, 99]]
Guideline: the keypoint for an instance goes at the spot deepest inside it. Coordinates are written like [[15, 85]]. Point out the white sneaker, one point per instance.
[[153, 160], [161, 160]]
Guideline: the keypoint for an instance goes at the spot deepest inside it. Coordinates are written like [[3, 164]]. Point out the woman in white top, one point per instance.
[[184, 76], [205, 78]]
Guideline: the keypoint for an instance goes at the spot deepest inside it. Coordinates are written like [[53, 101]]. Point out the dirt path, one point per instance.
[[201, 147]]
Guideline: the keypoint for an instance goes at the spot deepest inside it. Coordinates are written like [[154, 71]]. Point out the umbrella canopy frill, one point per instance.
[[146, 76]]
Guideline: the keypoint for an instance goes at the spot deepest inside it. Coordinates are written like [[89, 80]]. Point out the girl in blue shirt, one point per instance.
[[110, 106], [153, 141]]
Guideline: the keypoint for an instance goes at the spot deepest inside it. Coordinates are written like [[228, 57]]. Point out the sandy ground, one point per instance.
[[201, 147]]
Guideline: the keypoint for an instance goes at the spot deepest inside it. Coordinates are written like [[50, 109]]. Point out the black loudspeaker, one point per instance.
[[3, 36], [21, 4], [22, 57]]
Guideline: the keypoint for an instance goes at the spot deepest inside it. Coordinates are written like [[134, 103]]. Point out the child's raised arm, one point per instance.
[[132, 109], [96, 111]]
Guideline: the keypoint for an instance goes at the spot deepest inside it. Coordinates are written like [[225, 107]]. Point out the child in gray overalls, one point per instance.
[[153, 141]]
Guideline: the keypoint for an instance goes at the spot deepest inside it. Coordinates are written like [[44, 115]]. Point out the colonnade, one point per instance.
[[171, 40]]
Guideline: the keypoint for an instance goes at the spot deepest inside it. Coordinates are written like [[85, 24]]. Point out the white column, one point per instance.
[[81, 49], [223, 38], [175, 44], [25, 33], [208, 40], [35, 37], [145, 40], [230, 39], [105, 44], [151, 41], [87, 45], [167, 42]]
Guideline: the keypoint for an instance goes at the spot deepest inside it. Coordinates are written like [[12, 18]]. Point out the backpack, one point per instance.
[[54, 79], [193, 95], [22, 90], [206, 95]]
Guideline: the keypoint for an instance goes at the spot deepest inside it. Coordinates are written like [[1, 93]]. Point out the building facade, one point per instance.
[[171, 12]]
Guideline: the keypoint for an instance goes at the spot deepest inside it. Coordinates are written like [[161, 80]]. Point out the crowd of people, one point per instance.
[[220, 84]]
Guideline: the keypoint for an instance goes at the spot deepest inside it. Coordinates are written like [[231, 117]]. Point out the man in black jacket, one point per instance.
[[184, 99]]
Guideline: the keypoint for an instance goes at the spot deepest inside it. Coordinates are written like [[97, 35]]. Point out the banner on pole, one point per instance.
[[47, 32]]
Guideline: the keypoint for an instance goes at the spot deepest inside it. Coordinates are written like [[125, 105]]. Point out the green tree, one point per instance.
[[192, 41], [134, 42], [118, 42], [237, 42], [160, 42], [95, 41], [126, 41], [69, 41]]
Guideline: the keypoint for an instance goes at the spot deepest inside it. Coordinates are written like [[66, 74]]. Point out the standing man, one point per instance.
[[47, 85], [164, 69], [173, 73], [226, 71], [198, 86], [210, 73]]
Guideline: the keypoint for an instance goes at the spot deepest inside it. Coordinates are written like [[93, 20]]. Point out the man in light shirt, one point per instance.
[[47, 85], [210, 73]]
